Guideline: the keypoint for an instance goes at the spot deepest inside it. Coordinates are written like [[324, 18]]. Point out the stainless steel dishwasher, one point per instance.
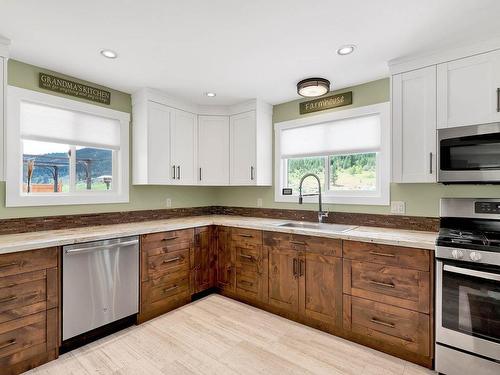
[[100, 284]]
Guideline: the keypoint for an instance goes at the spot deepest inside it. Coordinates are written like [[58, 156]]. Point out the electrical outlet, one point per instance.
[[398, 207], [259, 202], [168, 203]]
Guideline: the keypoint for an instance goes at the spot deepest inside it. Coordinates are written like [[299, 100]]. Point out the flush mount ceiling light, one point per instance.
[[210, 94], [312, 87], [109, 54], [346, 50]]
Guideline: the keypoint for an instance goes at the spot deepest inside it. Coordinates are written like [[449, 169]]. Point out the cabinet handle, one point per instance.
[[178, 172], [8, 299], [173, 169], [246, 256], [8, 343], [382, 254], [8, 264], [246, 282], [430, 162], [376, 321], [170, 238], [251, 173], [498, 99], [297, 242], [170, 289], [295, 264], [171, 260], [246, 235], [200, 173], [301, 268], [379, 283]]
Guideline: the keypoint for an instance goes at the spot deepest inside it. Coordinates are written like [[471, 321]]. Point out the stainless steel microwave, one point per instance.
[[469, 154]]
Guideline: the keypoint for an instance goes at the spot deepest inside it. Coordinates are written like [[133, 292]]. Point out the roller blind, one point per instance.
[[45, 123], [353, 135]]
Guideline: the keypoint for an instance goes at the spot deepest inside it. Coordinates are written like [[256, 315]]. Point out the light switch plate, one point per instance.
[[398, 207], [259, 202], [168, 203]]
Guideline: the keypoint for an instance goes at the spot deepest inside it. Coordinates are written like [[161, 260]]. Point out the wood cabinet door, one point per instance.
[[243, 149], [283, 278], [467, 90], [414, 118], [225, 260], [158, 145], [183, 144], [213, 150], [320, 288], [202, 261]]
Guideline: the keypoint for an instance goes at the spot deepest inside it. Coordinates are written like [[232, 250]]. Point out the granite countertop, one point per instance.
[[36, 240]]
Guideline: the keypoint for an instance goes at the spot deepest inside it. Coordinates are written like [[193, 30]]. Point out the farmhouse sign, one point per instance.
[[329, 102], [79, 90]]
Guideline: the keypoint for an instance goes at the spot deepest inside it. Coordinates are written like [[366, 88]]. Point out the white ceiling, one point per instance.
[[240, 49]]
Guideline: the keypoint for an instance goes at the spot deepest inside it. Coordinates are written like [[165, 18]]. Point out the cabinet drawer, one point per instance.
[[248, 258], [27, 261], [388, 325], [165, 291], [243, 235], [405, 257], [164, 242], [169, 263], [247, 281], [309, 244], [401, 287], [20, 335], [18, 291]]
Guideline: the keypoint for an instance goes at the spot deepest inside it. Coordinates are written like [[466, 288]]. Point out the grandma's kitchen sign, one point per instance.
[[79, 90], [337, 100]]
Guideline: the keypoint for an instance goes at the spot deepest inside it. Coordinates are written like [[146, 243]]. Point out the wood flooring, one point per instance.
[[217, 335]]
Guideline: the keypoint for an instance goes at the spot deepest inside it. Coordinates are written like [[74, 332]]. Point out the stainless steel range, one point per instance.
[[468, 287]]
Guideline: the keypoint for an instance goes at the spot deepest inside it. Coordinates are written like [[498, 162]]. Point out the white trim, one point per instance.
[[14, 196], [4, 47], [382, 197]]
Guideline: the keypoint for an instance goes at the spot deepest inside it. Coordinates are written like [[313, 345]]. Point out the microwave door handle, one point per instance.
[[470, 272]]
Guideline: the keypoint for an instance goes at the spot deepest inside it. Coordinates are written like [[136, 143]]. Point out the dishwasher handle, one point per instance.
[[101, 247]]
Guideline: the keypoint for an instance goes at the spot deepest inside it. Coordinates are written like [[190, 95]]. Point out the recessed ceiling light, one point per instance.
[[210, 94], [109, 54], [312, 87], [346, 50]]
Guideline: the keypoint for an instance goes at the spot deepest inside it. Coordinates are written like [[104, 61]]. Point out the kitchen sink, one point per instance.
[[338, 228]]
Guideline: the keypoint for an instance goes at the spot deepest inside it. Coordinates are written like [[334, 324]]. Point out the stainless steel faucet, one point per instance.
[[321, 214]]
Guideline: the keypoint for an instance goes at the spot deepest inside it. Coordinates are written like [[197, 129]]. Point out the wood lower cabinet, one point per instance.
[[226, 276], [388, 299], [283, 278], [29, 309], [165, 272], [203, 260]]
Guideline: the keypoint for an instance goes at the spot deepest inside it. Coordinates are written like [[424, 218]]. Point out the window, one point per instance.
[[348, 150], [61, 151]]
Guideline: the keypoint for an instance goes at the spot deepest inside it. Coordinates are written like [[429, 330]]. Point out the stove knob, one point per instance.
[[475, 256], [457, 254]]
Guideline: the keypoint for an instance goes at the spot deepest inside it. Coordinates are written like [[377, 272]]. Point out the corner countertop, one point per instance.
[[36, 240]]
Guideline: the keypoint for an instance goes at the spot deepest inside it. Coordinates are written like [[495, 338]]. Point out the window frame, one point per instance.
[[14, 154], [379, 197]]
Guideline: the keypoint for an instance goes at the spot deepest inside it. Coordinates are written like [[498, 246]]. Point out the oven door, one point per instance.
[[469, 154], [468, 307]]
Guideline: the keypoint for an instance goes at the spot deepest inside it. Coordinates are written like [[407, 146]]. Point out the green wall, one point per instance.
[[141, 197], [421, 199]]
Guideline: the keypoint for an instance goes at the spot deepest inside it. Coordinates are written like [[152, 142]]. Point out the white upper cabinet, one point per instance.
[[414, 126], [213, 150], [178, 143], [2, 104], [243, 149], [183, 147], [468, 90]]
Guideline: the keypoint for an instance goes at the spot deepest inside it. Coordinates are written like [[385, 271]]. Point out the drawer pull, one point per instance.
[[385, 324], [8, 343], [166, 290], [382, 254], [298, 242], [301, 267], [8, 299], [385, 285], [171, 260], [246, 256], [246, 235], [9, 264], [170, 238], [246, 282]]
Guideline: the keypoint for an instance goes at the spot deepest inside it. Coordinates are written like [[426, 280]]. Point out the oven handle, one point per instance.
[[469, 272]]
